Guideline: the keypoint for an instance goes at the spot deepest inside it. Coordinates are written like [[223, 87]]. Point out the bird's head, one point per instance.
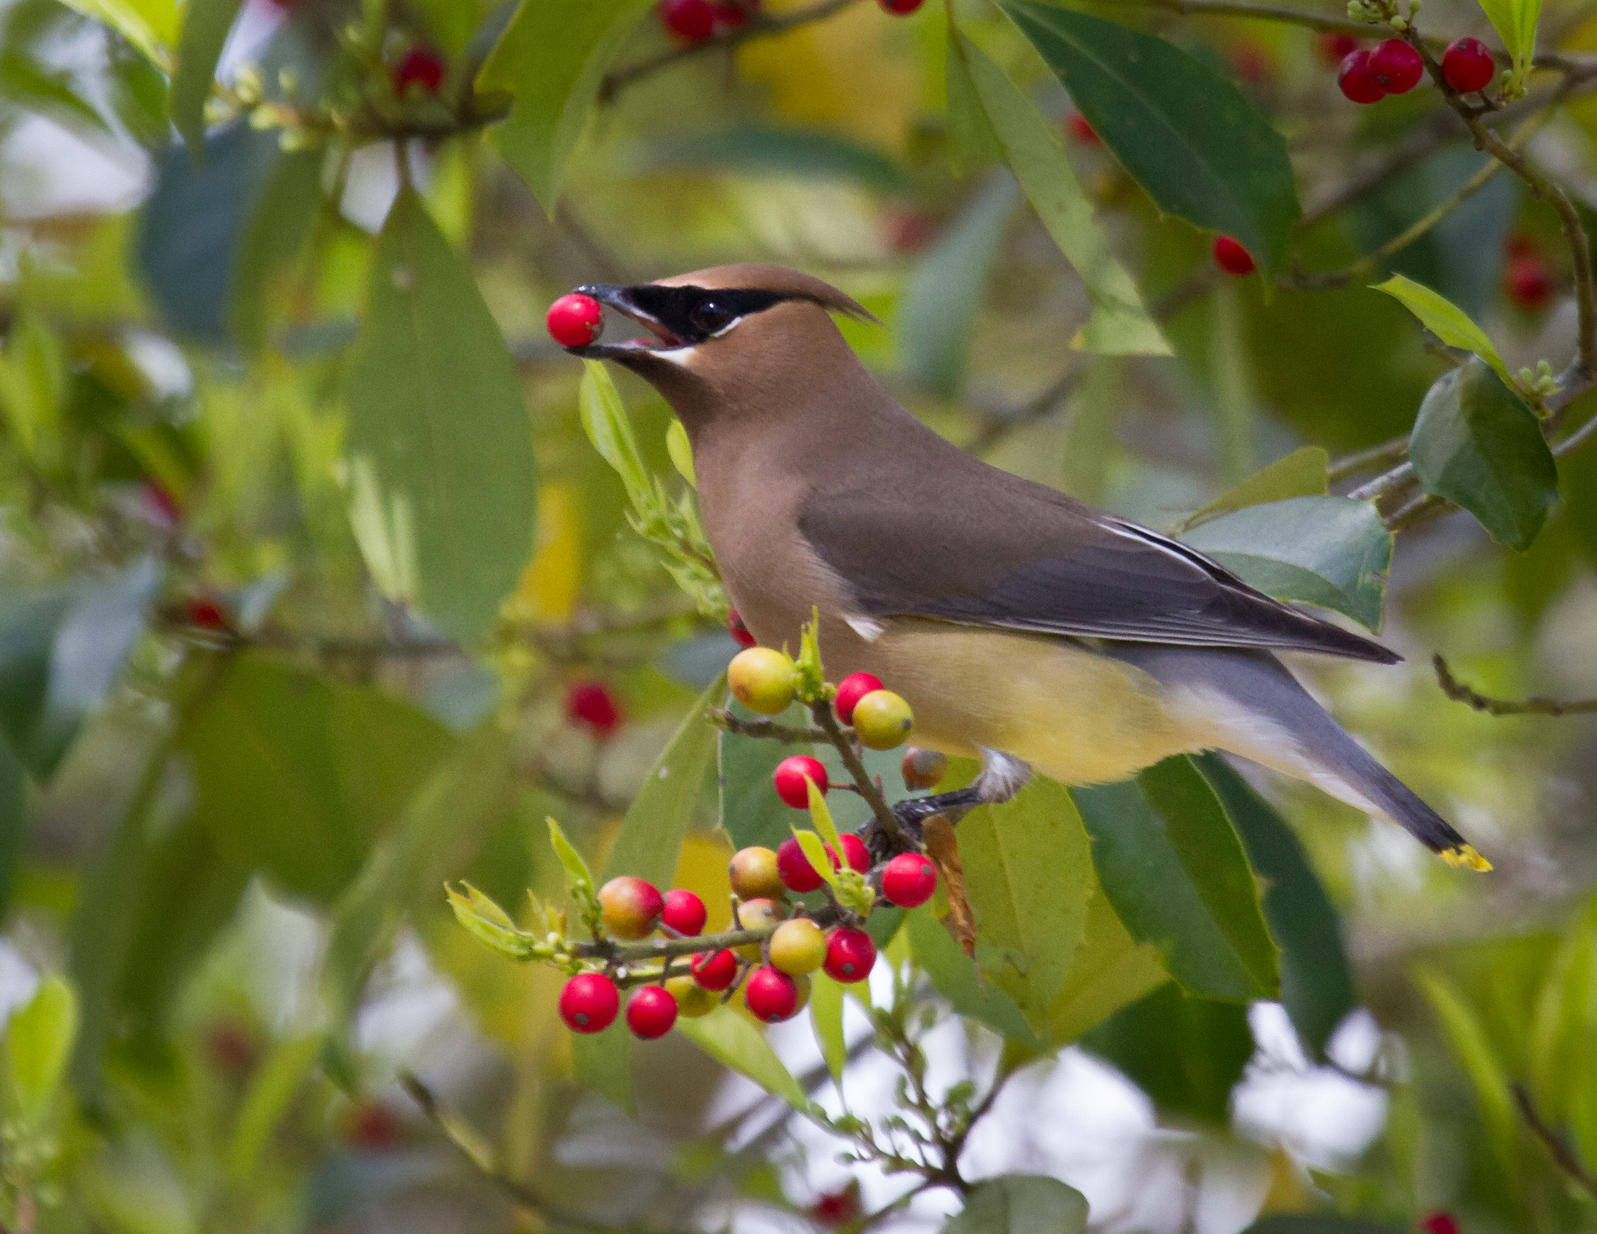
[[726, 333]]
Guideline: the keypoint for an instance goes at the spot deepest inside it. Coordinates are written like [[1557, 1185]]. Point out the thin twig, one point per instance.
[[1456, 689], [869, 789], [787, 734], [1389, 451], [1563, 1155]]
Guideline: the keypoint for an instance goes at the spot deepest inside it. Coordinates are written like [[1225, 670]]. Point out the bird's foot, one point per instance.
[[1002, 776]]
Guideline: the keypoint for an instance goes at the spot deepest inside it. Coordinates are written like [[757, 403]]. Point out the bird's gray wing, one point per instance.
[[1006, 553]]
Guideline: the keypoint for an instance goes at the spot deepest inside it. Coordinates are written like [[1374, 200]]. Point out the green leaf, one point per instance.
[[938, 308], [13, 823], [38, 87], [1316, 980], [205, 27], [278, 227], [1028, 875], [61, 651], [296, 777], [1330, 551], [1303, 473], [1471, 1045], [1120, 324], [1177, 876], [276, 1084], [33, 387], [605, 421], [1444, 319], [826, 1018], [1515, 22], [750, 812], [150, 25], [442, 477], [602, 1063], [651, 834], [552, 57], [1185, 1053], [1110, 970], [1185, 133], [38, 1042], [737, 1043], [811, 154], [1021, 1204], [1294, 1223], [577, 872], [1476, 443], [680, 450], [956, 978]]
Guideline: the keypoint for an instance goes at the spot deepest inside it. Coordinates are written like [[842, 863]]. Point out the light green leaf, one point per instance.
[[651, 834], [736, 1043], [13, 823], [1120, 324], [552, 58], [1110, 970], [814, 849], [1471, 1046], [1187, 134], [602, 1063], [1316, 980], [205, 27], [273, 1089], [1303, 473], [441, 470], [680, 450], [956, 978], [826, 1018], [486, 921], [38, 1043], [605, 421], [1173, 868], [577, 872], [1028, 875], [1330, 551], [1476, 443], [1515, 22], [150, 25], [1444, 319], [1021, 1204], [33, 385]]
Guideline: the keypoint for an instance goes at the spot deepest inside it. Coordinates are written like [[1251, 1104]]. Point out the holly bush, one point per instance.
[[340, 609]]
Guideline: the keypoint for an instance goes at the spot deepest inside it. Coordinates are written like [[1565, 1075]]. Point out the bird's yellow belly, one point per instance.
[[1078, 717]]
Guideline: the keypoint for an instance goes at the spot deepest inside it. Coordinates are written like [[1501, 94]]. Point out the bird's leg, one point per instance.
[[1002, 776]]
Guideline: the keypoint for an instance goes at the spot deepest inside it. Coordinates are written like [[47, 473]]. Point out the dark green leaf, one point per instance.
[[810, 154], [441, 470], [1028, 875], [275, 234], [205, 27], [1111, 970], [60, 654], [956, 978], [1185, 1053], [1330, 551], [651, 834], [552, 58], [1177, 876], [945, 290], [13, 821], [1478, 444], [296, 777], [602, 1063], [30, 84], [751, 813], [1316, 981], [1021, 1204], [1293, 1223], [1187, 134], [1030, 145]]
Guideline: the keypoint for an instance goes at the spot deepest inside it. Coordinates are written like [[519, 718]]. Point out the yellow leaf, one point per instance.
[[550, 583]]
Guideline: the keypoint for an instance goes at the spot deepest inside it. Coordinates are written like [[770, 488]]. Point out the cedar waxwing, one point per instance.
[[1024, 627]]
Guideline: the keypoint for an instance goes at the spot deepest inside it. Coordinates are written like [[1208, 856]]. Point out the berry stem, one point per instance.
[[787, 734], [868, 788]]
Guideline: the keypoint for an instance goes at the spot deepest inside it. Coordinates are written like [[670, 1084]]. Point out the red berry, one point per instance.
[[849, 954], [231, 1048], [1356, 79], [910, 230], [771, 995], [855, 853], [730, 14], [798, 875], [1331, 47], [1396, 66], [835, 1208], [574, 320], [1527, 281], [909, 879], [1251, 62], [631, 906], [421, 66], [1439, 1222], [1080, 130], [591, 705], [792, 777], [714, 970], [651, 1012], [1232, 257], [899, 7], [205, 613], [739, 632], [684, 912], [1468, 66], [589, 1002], [850, 690], [693, 21], [372, 1127]]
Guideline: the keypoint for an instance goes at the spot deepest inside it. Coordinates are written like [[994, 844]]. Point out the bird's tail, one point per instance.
[[1247, 703]]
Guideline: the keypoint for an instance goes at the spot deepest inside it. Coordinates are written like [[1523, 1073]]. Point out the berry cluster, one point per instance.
[[697, 21], [1369, 74], [655, 943]]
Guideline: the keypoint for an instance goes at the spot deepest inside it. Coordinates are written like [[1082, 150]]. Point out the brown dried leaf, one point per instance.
[[943, 849]]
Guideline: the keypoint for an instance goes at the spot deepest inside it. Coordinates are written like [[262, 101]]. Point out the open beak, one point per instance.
[[659, 338]]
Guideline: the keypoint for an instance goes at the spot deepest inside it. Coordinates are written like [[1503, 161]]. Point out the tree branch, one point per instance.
[[1456, 689], [1563, 1155]]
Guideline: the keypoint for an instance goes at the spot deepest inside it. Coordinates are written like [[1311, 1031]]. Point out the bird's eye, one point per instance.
[[711, 318]]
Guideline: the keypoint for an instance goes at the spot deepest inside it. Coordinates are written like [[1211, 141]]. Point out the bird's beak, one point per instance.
[[624, 301]]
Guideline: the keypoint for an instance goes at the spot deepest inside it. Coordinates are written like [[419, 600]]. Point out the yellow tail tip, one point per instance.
[[1466, 856]]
